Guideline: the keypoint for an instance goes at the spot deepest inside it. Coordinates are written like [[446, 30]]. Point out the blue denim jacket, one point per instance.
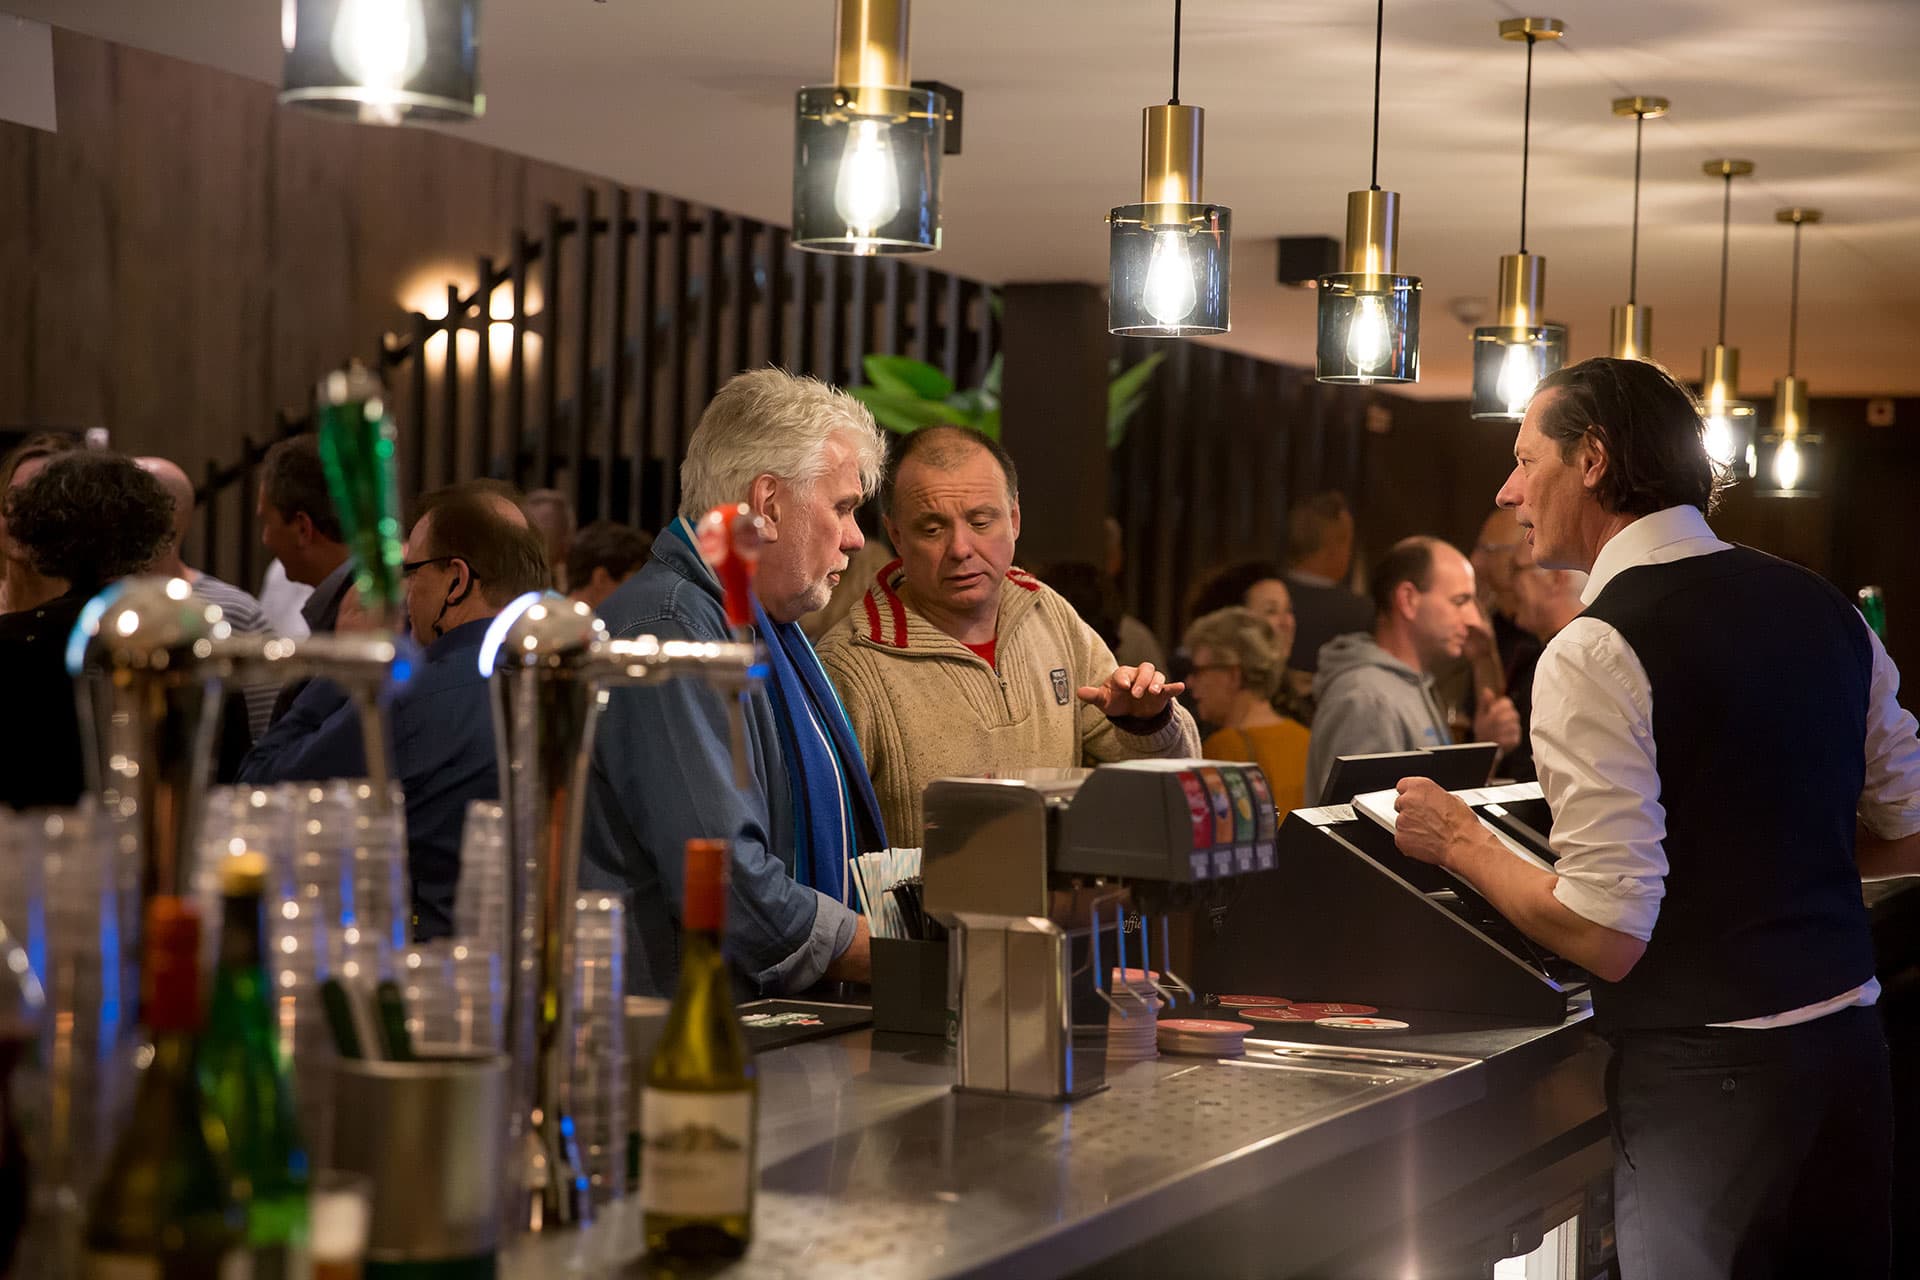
[[663, 774], [442, 752]]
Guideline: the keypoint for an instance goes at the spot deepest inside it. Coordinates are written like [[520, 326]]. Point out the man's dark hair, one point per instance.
[[41, 444], [508, 559], [483, 487], [1091, 593], [90, 518], [945, 446], [1227, 586], [1410, 560], [294, 481], [609, 545], [1309, 523], [1648, 424]]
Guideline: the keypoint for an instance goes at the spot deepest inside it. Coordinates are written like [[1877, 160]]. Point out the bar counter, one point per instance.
[[871, 1164]]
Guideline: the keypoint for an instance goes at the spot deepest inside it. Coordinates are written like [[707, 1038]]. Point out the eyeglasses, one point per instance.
[[411, 567]]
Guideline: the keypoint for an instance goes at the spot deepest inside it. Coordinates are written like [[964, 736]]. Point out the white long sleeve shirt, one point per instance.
[[1592, 735]]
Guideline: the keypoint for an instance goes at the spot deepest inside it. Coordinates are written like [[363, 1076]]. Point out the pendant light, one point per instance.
[[1511, 355], [1369, 317], [1168, 255], [1729, 419], [1633, 323], [383, 61], [1790, 452], [867, 148]]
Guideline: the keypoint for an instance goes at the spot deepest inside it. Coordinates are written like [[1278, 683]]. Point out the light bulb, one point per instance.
[[380, 43], [1786, 465], [1753, 458], [1368, 336], [1168, 294], [1518, 378], [867, 193], [1719, 439]]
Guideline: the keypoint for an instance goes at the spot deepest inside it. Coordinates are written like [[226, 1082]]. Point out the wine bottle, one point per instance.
[[246, 1083], [164, 1208], [697, 1161]]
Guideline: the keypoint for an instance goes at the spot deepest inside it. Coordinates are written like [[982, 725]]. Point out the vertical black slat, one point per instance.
[[923, 282], [804, 313], [740, 296], [832, 320], [545, 418], [895, 282], [450, 389], [582, 356], [674, 430], [1143, 437], [618, 245], [1268, 495], [956, 325], [210, 526], [517, 364], [988, 334], [480, 456], [640, 432], [773, 300], [417, 404], [713, 229], [859, 319], [1166, 517], [250, 455]]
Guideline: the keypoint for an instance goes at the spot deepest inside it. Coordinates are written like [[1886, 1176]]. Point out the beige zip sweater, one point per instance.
[[924, 706]]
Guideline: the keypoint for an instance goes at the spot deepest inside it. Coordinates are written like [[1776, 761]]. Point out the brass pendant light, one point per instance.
[[867, 148], [1729, 419], [1632, 323], [383, 61], [1168, 256], [1513, 354], [1369, 316], [1790, 453]]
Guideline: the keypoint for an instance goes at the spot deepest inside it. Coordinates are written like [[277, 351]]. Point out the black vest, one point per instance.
[[1761, 675]]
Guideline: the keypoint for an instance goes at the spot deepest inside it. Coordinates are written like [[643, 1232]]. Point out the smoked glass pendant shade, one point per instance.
[[1790, 456], [866, 170], [1368, 316], [383, 61], [1168, 266]]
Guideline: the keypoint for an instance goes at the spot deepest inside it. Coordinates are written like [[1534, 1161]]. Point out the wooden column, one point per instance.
[[1054, 417]]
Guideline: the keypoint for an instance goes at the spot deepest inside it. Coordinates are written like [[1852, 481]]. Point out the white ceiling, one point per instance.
[[696, 98]]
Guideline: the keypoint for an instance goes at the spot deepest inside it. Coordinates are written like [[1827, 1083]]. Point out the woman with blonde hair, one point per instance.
[[1237, 666]]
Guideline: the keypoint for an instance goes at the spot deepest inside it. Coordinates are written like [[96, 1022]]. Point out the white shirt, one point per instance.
[[1592, 735]]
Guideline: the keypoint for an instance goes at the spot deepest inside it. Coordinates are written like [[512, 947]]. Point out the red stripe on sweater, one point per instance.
[[881, 581], [873, 617], [1021, 578]]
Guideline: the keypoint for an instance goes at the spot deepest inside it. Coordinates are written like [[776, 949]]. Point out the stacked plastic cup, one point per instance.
[[599, 1031], [480, 901], [350, 866]]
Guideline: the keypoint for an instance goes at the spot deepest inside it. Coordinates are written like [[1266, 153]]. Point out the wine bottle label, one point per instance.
[[697, 1157]]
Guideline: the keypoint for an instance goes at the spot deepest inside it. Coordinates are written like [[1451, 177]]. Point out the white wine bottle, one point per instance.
[[697, 1159]]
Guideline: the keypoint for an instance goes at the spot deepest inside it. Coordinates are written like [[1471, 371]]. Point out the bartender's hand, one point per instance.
[[1496, 720], [1430, 822], [1133, 691], [855, 964]]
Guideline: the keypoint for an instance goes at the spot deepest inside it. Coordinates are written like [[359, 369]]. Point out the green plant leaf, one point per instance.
[[1125, 395], [991, 383], [989, 424], [904, 414], [903, 375]]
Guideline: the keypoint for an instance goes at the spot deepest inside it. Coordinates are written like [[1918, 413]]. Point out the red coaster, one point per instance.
[[1204, 1026], [1252, 1002], [1308, 1012], [1363, 1024]]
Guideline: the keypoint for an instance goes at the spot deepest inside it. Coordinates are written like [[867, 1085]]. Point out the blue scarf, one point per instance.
[[835, 813]]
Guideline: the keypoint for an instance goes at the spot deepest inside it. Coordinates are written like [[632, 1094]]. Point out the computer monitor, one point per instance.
[[1455, 768]]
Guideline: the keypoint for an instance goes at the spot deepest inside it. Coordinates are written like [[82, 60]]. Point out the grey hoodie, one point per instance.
[[1368, 701]]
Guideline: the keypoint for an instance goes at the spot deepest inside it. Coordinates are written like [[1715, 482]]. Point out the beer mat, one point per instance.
[[1205, 1026], [1251, 1002], [1362, 1024], [1312, 1012], [772, 1024]]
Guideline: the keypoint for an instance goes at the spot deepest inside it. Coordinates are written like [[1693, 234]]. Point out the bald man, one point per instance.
[[242, 611]]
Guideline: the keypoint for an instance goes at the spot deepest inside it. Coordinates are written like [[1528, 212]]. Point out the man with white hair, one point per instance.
[[803, 456]]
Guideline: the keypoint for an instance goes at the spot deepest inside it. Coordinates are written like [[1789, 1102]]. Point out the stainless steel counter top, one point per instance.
[[870, 1160]]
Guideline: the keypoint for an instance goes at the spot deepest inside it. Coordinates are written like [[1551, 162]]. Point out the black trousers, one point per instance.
[[1753, 1155]]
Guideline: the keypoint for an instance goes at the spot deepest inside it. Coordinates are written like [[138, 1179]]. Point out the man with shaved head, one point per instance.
[[242, 611]]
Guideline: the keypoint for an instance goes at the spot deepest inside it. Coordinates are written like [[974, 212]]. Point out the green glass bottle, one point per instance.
[[698, 1166], [246, 1082], [1873, 607], [164, 1209], [357, 446]]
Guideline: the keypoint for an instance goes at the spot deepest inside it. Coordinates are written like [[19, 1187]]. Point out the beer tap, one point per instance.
[[551, 665]]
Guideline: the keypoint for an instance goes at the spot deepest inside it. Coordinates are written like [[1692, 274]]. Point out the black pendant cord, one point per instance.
[[1526, 142], [1726, 231], [1174, 101], [1633, 259], [1379, 30], [1793, 306]]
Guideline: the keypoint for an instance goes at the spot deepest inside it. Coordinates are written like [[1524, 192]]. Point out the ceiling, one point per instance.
[[696, 99]]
